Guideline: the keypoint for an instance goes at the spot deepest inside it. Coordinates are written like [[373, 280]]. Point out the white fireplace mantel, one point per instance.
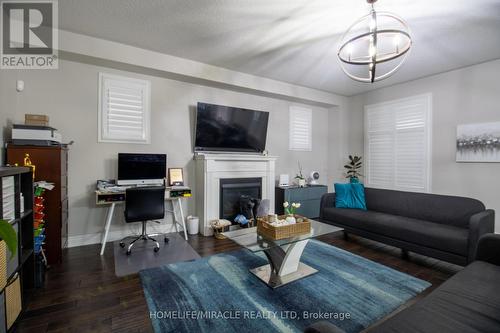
[[211, 168]]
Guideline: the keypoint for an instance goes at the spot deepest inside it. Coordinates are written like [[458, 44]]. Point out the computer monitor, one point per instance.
[[141, 169]]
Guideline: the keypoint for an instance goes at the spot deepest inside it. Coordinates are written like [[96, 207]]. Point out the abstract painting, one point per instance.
[[478, 142]]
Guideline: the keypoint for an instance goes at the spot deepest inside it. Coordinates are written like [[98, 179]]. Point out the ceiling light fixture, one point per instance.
[[375, 46]]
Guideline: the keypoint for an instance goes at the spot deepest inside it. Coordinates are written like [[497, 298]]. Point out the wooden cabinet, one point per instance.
[[51, 165], [309, 198]]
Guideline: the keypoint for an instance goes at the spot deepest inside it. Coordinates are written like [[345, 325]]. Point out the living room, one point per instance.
[[373, 126]]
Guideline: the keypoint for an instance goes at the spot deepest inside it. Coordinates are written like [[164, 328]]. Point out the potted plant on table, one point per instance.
[[290, 210], [301, 180], [353, 167]]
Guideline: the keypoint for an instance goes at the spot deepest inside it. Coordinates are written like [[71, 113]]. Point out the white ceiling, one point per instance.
[[290, 40]]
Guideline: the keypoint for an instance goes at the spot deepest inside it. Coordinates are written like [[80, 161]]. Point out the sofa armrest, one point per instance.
[[479, 224], [327, 200], [323, 327], [488, 249]]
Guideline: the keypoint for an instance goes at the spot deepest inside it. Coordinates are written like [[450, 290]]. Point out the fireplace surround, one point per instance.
[[214, 169]]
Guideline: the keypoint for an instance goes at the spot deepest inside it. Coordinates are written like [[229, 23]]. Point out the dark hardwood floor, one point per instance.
[[83, 294]]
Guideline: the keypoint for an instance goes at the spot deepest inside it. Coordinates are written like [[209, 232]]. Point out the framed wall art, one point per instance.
[[478, 142]]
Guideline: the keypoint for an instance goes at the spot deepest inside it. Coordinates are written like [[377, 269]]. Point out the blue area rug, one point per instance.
[[219, 294]]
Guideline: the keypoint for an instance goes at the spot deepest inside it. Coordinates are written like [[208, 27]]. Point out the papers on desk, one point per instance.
[[109, 186], [103, 184], [115, 189], [176, 188]]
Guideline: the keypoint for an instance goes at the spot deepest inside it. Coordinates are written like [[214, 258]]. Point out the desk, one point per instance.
[[113, 198]]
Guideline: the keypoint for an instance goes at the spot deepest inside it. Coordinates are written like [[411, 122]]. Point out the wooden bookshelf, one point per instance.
[[20, 271]]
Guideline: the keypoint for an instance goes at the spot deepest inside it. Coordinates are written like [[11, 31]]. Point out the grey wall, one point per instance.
[[69, 96], [8, 101], [468, 95], [345, 137]]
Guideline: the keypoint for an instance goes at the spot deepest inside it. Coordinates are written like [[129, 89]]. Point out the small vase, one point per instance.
[[354, 180], [302, 183], [290, 219]]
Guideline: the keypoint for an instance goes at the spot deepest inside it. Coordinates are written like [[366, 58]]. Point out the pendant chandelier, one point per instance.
[[375, 46]]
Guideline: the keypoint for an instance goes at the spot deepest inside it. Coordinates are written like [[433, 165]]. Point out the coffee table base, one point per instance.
[[284, 265], [265, 273]]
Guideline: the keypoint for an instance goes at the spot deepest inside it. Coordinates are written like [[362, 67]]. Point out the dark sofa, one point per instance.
[[467, 302], [439, 226]]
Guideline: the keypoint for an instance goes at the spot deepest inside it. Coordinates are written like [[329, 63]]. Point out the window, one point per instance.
[[398, 145], [124, 109], [300, 128]]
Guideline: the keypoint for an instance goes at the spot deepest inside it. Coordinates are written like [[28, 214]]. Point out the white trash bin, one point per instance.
[[193, 224]]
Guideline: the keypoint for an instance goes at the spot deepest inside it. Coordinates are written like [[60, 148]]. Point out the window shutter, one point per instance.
[[380, 152], [397, 144], [411, 146], [300, 136], [124, 110]]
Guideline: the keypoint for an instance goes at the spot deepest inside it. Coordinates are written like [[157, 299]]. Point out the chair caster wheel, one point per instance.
[[122, 244], [157, 249], [129, 252], [166, 240]]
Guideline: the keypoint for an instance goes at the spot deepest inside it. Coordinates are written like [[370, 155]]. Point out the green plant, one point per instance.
[[353, 167], [290, 209], [299, 175], [8, 234]]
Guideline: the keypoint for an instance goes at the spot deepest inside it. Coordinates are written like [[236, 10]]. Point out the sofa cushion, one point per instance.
[[351, 195], [443, 209], [434, 235], [468, 302]]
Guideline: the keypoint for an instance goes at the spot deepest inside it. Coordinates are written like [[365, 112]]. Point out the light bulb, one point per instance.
[[397, 39], [372, 50], [349, 48]]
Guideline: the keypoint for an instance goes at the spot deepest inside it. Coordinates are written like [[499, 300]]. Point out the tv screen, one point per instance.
[[141, 168], [224, 128]]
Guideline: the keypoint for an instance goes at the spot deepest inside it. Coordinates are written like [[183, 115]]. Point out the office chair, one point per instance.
[[144, 204]]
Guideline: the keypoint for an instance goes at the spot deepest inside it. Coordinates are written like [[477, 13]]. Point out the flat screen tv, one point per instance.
[[141, 169], [224, 128]]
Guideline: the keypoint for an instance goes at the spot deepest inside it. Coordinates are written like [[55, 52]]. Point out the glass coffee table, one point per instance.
[[283, 255]]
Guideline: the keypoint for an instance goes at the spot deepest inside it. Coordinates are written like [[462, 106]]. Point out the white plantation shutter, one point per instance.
[[397, 144], [300, 129], [380, 148], [124, 109]]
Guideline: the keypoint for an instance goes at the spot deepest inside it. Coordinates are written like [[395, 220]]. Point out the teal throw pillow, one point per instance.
[[350, 196]]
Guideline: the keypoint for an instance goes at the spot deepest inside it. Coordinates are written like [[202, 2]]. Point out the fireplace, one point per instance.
[[231, 189], [214, 169]]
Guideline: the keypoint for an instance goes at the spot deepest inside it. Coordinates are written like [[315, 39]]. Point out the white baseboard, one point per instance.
[[113, 235]]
